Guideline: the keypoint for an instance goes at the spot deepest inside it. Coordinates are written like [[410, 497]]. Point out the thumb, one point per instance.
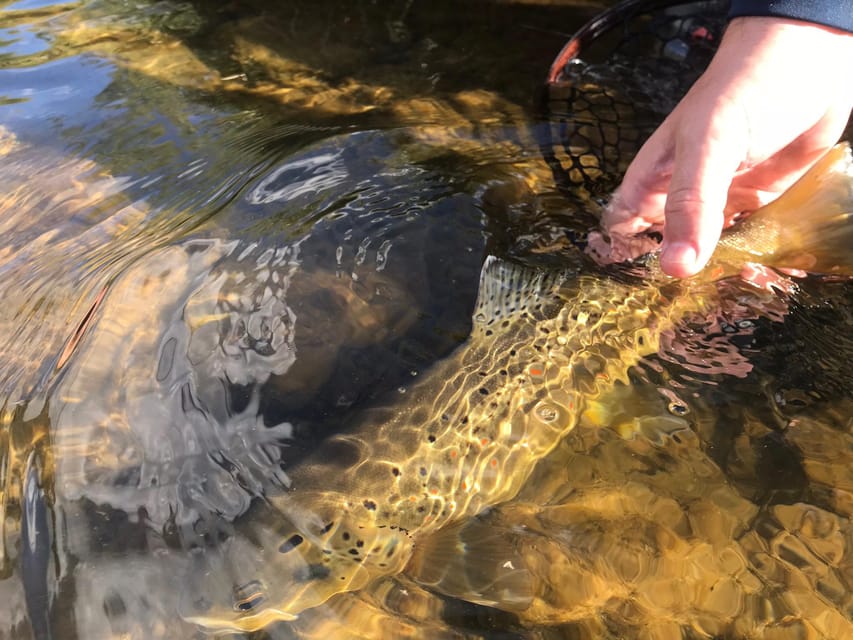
[[704, 165]]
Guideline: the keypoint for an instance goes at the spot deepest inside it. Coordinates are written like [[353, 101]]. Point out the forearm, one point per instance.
[[831, 13]]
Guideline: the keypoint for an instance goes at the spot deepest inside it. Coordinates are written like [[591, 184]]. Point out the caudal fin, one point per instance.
[[810, 226]]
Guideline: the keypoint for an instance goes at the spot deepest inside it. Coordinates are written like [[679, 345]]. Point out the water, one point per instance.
[[227, 230]]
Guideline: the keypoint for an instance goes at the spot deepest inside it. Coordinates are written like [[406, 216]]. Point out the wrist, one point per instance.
[[837, 14], [807, 39], [787, 52]]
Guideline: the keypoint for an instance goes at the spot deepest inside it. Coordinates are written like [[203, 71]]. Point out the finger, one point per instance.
[[705, 164], [637, 205]]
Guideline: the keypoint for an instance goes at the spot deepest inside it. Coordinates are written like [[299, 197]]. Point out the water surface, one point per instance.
[[230, 229]]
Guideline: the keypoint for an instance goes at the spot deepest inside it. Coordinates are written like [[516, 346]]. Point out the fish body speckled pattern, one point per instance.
[[543, 347], [464, 438]]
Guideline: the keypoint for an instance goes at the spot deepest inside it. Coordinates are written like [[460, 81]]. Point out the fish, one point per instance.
[[544, 346]]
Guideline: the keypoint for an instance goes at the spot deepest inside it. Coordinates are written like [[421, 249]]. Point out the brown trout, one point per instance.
[[543, 347]]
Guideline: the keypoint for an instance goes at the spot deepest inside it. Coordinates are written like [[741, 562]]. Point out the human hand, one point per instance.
[[774, 99]]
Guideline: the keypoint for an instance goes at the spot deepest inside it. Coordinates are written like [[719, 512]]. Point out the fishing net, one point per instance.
[[615, 81]]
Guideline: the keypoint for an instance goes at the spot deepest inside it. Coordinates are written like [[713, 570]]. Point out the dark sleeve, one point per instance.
[[832, 13]]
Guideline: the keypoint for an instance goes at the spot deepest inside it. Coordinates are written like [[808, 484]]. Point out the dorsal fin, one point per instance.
[[513, 292]]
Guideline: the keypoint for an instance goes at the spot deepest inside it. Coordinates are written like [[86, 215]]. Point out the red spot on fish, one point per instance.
[[484, 441], [453, 454], [494, 462], [536, 371], [434, 492], [717, 273]]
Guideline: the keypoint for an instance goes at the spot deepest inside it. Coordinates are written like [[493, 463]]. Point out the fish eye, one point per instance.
[[249, 596]]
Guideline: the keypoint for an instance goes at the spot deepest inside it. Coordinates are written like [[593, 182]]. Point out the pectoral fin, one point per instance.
[[475, 562]]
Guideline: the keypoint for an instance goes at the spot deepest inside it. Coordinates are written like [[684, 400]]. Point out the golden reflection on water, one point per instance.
[[711, 498]]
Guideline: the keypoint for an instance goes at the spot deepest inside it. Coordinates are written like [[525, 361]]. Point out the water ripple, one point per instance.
[[299, 177]]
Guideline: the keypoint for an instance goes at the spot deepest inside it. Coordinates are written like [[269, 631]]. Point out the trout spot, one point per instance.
[[291, 543], [310, 572]]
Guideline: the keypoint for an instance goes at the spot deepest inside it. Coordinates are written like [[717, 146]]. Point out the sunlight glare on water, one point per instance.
[[240, 252]]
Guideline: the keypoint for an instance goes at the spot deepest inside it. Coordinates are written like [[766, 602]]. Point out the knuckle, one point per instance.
[[685, 201]]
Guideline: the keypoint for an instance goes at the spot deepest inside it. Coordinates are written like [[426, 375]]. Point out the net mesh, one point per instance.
[[615, 81]]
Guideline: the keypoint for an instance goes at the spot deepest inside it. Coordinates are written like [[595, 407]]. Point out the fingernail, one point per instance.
[[678, 259]]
